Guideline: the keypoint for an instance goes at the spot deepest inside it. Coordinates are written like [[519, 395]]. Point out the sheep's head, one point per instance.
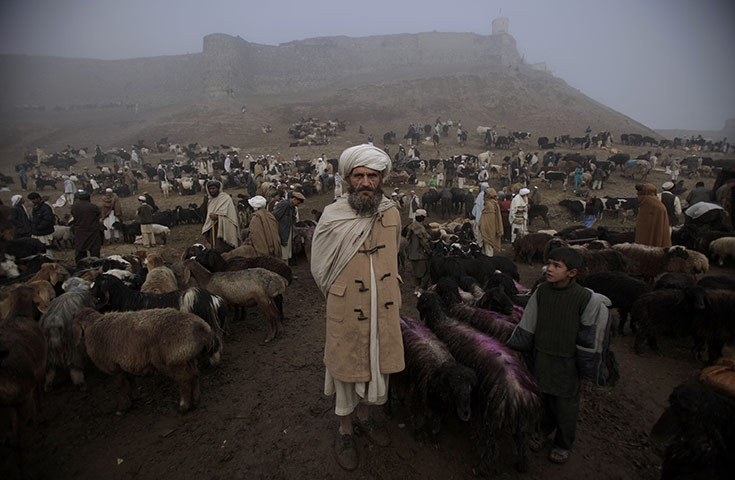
[[430, 308], [496, 299], [678, 251], [458, 383], [100, 293], [696, 297]]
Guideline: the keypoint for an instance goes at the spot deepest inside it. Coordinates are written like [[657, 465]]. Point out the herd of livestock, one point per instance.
[[55, 317]]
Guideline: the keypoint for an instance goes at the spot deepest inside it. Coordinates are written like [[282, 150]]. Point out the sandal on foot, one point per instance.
[[536, 442], [559, 455]]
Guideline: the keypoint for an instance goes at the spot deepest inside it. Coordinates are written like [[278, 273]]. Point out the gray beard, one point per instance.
[[363, 205]]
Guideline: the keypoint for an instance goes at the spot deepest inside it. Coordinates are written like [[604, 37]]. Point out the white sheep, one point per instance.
[[722, 249]]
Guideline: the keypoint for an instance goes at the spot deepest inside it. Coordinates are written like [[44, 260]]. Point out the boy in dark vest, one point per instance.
[[551, 322]]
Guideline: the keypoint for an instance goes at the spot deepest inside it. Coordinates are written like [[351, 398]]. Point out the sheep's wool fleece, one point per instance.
[[228, 225], [337, 238], [364, 156]]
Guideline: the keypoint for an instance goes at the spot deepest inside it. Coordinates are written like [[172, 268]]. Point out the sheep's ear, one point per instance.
[[187, 275], [53, 276], [41, 298]]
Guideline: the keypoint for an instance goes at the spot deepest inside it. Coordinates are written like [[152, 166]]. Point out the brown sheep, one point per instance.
[[54, 273], [649, 262], [160, 279], [42, 294], [136, 343], [246, 251]]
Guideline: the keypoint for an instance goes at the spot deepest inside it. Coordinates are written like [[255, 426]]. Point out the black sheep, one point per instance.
[[508, 398], [674, 281], [622, 290], [722, 282], [433, 381], [699, 426]]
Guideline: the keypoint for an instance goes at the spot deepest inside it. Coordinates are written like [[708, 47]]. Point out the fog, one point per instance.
[[665, 63]]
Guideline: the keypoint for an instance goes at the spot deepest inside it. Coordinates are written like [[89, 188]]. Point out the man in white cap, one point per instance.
[[145, 217], [672, 204], [264, 229], [519, 214], [354, 263], [111, 211]]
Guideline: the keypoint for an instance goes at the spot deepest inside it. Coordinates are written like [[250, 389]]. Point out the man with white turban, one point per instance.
[[519, 214], [264, 229], [354, 263], [19, 217], [222, 225]]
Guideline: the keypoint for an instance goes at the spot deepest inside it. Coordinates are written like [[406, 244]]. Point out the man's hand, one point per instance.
[[213, 216]]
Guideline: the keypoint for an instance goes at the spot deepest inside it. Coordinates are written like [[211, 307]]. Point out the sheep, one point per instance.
[[529, 246], [110, 293], [665, 310], [63, 237], [57, 324], [22, 369], [246, 251], [717, 281], [244, 288], [723, 249], [717, 328], [434, 380], [622, 290], [675, 281], [135, 343], [160, 279], [649, 262], [508, 397], [699, 426], [594, 261], [158, 230]]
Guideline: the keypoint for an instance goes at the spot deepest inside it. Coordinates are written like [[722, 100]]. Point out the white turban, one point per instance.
[[15, 199], [364, 156], [257, 202], [108, 190], [524, 191]]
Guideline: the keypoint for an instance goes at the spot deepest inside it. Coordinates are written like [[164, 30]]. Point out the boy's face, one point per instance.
[[558, 274]]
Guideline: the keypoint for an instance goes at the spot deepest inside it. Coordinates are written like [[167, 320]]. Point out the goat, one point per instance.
[[243, 288], [57, 324], [135, 343], [22, 369]]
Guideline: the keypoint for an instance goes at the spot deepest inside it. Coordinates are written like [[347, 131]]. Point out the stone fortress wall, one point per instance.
[[231, 66]]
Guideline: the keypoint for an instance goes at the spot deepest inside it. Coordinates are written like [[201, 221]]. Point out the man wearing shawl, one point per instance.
[[652, 227], [491, 223], [354, 263], [111, 212], [222, 225], [19, 217], [519, 214], [264, 229]]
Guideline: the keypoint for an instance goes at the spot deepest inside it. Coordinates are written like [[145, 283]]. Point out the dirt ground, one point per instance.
[[263, 415]]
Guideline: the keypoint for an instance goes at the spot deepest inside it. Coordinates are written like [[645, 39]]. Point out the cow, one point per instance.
[[575, 207], [389, 138], [554, 176], [619, 159], [615, 205], [430, 199], [522, 135]]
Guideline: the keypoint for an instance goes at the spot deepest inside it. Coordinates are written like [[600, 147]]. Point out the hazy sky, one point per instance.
[[665, 63]]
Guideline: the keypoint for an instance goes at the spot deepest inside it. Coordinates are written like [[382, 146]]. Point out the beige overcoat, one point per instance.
[[347, 345]]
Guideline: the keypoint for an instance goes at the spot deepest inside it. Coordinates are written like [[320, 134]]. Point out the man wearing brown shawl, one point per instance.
[[264, 229], [222, 226], [652, 227], [491, 223]]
